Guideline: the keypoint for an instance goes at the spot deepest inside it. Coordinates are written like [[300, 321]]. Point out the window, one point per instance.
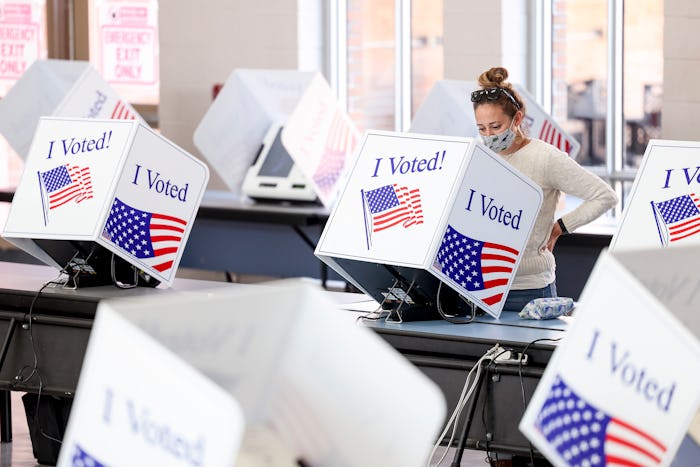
[[394, 57], [371, 61], [427, 58], [123, 38], [607, 69], [22, 41], [124, 47], [607, 81]]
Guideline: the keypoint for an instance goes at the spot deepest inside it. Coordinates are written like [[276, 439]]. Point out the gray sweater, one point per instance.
[[555, 172]]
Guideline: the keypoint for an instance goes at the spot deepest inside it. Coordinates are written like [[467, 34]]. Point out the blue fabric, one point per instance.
[[517, 299]]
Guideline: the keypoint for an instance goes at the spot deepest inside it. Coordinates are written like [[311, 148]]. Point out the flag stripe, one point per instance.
[[685, 226], [689, 234], [165, 251], [163, 266], [174, 228], [64, 196], [639, 432], [501, 247], [498, 257], [165, 238], [492, 300], [629, 445], [495, 283], [615, 460], [169, 218], [490, 269]]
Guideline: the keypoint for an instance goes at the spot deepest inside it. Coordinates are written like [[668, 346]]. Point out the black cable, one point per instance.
[[452, 318], [20, 379], [484, 408], [522, 385]]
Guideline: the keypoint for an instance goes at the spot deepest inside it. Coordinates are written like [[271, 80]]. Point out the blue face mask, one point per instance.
[[502, 141]]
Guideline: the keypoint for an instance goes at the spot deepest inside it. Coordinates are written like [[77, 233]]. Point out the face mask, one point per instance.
[[502, 141]]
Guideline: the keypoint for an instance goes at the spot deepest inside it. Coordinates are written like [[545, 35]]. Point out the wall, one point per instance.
[[472, 37], [480, 35], [201, 43], [681, 101]]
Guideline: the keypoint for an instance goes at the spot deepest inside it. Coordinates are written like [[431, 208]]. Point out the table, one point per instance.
[[446, 352], [272, 239], [61, 320], [236, 235]]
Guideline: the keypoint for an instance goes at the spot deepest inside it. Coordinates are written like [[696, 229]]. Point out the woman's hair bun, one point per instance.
[[494, 77]]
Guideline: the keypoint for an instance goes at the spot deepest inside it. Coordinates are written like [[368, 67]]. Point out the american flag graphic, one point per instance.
[[677, 218], [83, 459], [481, 267], [151, 237], [64, 184], [389, 206], [340, 142], [586, 436], [556, 138], [121, 112]]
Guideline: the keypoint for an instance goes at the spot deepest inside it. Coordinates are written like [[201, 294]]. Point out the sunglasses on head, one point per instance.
[[492, 94]]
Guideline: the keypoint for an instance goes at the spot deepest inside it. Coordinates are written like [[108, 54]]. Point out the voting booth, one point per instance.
[[278, 134], [418, 211], [305, 397], [663, 209], [448, 110], [59, 88], [95, 189], [611, 396]]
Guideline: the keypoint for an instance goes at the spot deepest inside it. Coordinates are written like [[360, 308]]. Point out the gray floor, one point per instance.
[[18, 453]]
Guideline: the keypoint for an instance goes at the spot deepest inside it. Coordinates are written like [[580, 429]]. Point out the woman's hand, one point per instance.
[[554, 236]]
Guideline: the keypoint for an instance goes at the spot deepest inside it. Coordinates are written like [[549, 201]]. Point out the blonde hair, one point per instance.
[[496, 78]]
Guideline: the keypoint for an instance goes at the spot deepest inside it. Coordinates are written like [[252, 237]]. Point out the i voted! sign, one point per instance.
[[610, 396], [116, 183], [128, 411], [58, 88], [664, 204], [445, 205]]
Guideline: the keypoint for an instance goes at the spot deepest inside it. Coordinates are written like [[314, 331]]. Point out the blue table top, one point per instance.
[[508, 328]]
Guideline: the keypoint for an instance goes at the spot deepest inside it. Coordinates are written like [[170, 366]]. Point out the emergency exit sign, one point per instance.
[[129, 46]]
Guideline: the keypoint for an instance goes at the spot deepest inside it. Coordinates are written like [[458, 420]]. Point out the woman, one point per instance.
[[499, 112]]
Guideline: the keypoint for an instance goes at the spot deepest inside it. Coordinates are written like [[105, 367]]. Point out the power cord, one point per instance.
[[453, 318], [523, 354], [21, 378], [466, 393]]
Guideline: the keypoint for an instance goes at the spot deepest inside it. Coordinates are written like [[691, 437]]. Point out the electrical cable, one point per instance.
[[20, 378], [116, 282], [453, 318], [484, 408], [466, 393], [522, 384]]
